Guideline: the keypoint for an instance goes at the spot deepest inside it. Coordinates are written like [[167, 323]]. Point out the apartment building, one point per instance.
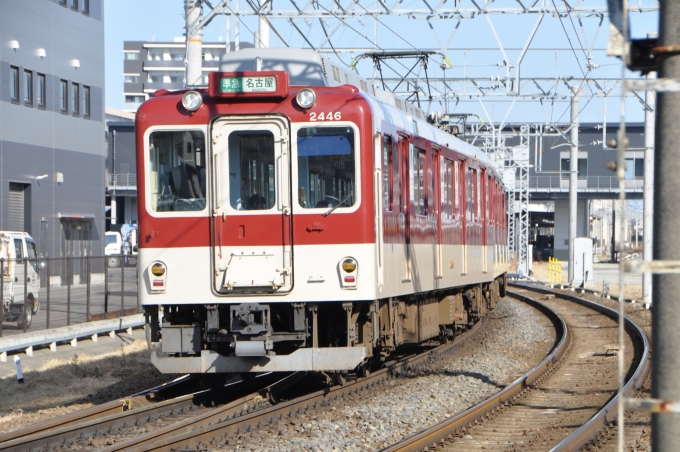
[[149, 66]]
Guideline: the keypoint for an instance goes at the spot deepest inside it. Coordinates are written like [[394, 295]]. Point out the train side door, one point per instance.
[[252, 244]]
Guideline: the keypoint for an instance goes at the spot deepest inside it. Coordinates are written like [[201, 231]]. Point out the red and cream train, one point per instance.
[[292, 217]]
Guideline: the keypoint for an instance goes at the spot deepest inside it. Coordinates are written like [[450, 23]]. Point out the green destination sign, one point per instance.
[[265, 84]]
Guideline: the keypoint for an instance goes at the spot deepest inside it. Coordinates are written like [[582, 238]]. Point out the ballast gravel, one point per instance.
[[515, 341]]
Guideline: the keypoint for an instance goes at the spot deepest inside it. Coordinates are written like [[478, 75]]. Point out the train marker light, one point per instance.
[[158, 269], [306, 98], [348, 272], [192, 100], [349, 265], [157, 277]]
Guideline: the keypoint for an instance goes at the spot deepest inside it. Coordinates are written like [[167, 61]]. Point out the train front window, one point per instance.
[[251, 170], [326, 167], [177, 171]]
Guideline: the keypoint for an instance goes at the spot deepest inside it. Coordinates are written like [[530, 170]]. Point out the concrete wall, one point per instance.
[[37, 141]]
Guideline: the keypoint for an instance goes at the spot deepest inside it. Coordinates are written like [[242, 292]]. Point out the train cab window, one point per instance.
[[252, 174], [326, 167], [177, 171]]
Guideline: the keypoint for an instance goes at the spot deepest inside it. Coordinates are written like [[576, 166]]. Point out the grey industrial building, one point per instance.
[[52, 140]]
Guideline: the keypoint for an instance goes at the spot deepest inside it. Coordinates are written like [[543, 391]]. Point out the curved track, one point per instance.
[[561, 404], [543, 409]]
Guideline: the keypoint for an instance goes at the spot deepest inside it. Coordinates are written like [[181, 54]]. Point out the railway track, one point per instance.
[[565, 401], [141, 423], [545, 394]]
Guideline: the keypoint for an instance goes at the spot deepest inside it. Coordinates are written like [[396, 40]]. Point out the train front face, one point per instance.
[[256, 231]]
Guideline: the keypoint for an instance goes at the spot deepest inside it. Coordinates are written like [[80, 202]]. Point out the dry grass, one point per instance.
[[75, 383]]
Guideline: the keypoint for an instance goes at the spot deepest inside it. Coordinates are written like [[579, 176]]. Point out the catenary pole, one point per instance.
[[193, 10], [573, 180], [648, 193], [666, 245]]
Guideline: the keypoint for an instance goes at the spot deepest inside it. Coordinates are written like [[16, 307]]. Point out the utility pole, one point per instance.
[[573, 180], [666, 246], [193, 10], [648, 193]]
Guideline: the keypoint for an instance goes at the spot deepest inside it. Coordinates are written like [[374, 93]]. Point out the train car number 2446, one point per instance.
[[330, 116]]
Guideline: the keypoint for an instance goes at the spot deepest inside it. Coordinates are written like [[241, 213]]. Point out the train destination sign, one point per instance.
[[247, 84], [266, 84]]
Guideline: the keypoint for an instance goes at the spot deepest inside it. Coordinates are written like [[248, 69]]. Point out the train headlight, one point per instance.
[[306, 98], [158, 274], [348, 272], [192, 100]]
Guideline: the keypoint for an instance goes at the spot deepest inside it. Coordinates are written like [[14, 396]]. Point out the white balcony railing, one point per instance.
[[588, 184], [122, 182]]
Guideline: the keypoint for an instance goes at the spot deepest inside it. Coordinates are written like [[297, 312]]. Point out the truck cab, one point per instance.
[[20, 278], [113, 248]]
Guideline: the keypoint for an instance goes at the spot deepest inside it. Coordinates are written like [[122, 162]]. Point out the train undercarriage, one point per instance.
[[325, 336]]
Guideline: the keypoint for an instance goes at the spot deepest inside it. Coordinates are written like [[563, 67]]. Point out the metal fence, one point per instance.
[[589, 183], [70, 290]]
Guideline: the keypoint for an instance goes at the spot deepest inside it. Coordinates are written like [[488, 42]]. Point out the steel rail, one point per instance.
[[98, 411], [609, 412], [113, 415], [576, 439], [205, 431], [475, 413]]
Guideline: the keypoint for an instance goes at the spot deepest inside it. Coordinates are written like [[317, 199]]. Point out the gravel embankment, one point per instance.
[[516, 340]]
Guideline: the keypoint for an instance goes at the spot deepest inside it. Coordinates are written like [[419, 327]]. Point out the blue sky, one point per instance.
[[141, 20]]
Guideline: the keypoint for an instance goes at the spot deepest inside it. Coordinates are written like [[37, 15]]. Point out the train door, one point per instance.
[[435, 191], [252, 244]]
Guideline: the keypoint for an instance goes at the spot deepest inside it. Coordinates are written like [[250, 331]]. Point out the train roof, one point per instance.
[[309, 68]]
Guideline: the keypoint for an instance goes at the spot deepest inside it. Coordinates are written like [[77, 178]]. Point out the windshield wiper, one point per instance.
[[329, 211]]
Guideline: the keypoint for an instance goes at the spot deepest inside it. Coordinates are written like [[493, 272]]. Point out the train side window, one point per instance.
[[326, 167], [456, 189], [251, 170], [471, 196], [177, 171], [447, 189], [420, 201], [388, 173]]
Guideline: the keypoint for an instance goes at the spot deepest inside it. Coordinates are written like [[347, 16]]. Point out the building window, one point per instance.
[[62, 2], [74, 4], [14, 83], [129, 78], [86, 101], [41, 90], [134, 99], [635, 169], [86, 6], [582, 169], [75, 98], [131, 55], [28, 87], [63, 95], [177, 56]]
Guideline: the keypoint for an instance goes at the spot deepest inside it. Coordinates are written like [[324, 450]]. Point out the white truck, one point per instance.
[[113, 248], [20, 278]]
